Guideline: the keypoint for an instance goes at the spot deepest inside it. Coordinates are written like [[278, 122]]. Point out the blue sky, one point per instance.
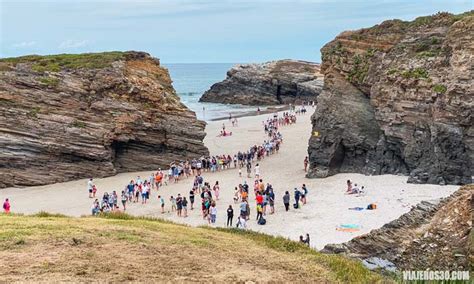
[[197, 31]]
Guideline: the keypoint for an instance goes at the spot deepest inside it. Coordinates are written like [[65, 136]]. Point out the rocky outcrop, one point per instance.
[[65, 117], [398, 99], [434, 235], [271, 83]]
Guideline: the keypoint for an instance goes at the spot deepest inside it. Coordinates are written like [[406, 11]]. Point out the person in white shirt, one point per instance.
[[257, 171], [90, 186], [213, 213]]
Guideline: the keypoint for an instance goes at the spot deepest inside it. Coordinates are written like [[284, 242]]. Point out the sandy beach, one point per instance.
[[327, 207]]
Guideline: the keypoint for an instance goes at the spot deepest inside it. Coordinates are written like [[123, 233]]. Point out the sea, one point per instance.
[[191, 80]]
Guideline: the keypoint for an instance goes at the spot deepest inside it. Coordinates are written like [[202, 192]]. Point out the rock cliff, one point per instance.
[[65, 117], [435, 235], [270, 83], [398, 99]]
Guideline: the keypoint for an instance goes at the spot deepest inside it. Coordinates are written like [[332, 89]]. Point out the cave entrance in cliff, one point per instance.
[[338, 158], [119, 148], [278, 94]]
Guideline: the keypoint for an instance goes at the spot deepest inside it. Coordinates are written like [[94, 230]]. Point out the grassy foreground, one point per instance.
[[52, 248]]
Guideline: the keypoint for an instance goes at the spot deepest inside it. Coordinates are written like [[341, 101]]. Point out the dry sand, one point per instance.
[[327, 205]]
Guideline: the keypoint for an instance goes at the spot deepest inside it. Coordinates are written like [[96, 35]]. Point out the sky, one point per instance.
[[194, 31]]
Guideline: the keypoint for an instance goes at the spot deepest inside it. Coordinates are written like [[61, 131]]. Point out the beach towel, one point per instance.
[[349, 226], [351, 230], [357, 208]]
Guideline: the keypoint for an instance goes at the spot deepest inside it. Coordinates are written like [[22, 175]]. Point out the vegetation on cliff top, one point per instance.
[[54, 63], [119, 247]]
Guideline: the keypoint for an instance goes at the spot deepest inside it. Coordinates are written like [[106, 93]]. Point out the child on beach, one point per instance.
[[213, 213], [6, 206], [216, 190], [162, 204]]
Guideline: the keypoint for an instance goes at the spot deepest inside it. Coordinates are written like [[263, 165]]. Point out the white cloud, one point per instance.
[[73, 44], [24, 44]]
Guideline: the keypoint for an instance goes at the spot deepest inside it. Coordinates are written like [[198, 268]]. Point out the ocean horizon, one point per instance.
[[191, 80]]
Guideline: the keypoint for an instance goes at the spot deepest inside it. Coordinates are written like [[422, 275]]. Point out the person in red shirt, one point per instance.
[[259, 198]]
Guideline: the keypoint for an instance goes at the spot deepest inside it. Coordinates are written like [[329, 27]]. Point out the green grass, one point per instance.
[[49, 81], [439, 89], [417, 73], [76, 242], [54, 63]]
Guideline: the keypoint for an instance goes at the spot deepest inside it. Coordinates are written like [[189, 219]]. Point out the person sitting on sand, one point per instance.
[[349, 186], [355, 189], [95, 208]]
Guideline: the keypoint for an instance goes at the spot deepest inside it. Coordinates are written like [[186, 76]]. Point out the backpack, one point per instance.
[[262, 221], [372, 206]]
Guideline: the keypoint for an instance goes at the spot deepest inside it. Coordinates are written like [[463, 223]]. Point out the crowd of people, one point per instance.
[[259, 196]]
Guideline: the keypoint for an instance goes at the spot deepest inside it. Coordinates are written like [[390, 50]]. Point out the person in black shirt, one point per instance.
[[191, 198], [230, 215], [179, 204]]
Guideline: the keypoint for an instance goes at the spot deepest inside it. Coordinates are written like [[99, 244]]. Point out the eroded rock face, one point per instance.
[[271, 83], [66, 117], [434, 235], [398, 99]]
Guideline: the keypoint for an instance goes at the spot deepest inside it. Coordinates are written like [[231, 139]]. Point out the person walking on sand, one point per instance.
[[271, 200], [306, 241], [304, 193], [179, 205], [213, 213], [286, 200], [243, 209], [6, 206], [124, 198], [241, 223], [173, 203], [306, 161], [90, 187], [257, 171], [230, 215], [185, 207], [297, 198], [216, 190], [191, 198], [162, 204]]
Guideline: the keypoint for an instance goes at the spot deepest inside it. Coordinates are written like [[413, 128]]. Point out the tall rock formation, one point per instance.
[[398, 99], [270, 83], [65, 117]]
